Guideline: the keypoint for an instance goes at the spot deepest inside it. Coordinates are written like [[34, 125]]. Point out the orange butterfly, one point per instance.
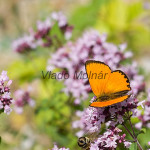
[[109, 87]]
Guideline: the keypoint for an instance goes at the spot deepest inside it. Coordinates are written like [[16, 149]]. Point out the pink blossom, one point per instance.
[[138, 125], [58, 16], [92, 118], [41, 36], [94, 146], [144, 116], [24, 44], [5, 95], [56, 148], [7, 109], [109, 140], [22, 98], [127, 144], [141, 103], [4, 77]]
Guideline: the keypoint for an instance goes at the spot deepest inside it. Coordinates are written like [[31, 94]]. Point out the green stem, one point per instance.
[[140, 147], [131, 126], [128, 131], [133, 135]]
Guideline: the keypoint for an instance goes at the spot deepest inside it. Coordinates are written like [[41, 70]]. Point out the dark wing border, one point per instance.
[[125, 76], [94, 61]]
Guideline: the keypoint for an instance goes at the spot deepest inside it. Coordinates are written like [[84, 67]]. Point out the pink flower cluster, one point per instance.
[[92, 118], [5, 95], [109, 140], [24, 44], [56, 148], [42, 37], [144, 116], [22, 98], [91, 45]]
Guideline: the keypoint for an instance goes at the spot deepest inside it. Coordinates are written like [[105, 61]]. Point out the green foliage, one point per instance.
[[123, 23], [26, 71], [57, 36], [54, 115], [142, 131], [144, 138], [133, 146], [1, 111], [85, 16]]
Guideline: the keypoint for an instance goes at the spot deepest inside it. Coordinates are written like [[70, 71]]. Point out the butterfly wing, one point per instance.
[[115, 85], [116, 88], [109, 102], [118, 81], [98, 83]]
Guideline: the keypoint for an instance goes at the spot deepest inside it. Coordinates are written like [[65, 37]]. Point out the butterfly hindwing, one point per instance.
[[109, 102]]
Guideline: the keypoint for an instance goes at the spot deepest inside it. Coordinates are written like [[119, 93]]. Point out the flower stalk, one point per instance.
[[132, 135]]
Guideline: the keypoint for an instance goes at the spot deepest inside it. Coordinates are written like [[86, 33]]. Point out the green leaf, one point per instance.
[[86, 16], [57, 35], [133, 146], [2, 110], [142, 131], [27, 70]]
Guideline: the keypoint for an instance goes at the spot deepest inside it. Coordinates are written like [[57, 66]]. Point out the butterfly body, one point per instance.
[[111, 96], [111, 88]]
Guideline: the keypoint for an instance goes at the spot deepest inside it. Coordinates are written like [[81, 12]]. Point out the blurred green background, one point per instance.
[[124, 21]]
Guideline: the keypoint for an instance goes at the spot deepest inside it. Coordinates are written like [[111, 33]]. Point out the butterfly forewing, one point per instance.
[[98, 75]]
